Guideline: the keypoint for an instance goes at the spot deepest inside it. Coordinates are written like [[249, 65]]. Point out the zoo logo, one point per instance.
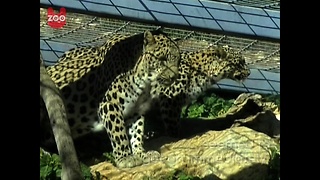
[[56, 20]]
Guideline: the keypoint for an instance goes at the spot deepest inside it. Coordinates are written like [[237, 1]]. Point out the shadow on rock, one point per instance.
[[248, 110]]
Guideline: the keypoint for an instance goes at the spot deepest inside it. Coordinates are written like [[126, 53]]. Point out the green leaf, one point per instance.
[[86, 172], [109, 157], [58, 172], [195, 111], [45, 171]]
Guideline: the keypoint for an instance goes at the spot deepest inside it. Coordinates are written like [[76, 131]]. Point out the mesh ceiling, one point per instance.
[[83, 29]]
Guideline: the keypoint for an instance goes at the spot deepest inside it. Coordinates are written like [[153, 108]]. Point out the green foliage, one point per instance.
[[272, 98], [109, 157], [86, 172], [212, 106], [207, 106], [50, 167]]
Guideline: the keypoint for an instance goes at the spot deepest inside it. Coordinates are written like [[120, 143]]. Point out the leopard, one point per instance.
[[123, 107], [198, 70], [84, 74]]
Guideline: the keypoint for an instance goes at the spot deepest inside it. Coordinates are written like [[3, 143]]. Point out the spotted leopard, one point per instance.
[[126, 101], [84, 75], [198, 71]]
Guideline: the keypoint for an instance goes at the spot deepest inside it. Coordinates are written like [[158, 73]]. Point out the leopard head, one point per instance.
[[232, 65], [221, 62], [162, 56]]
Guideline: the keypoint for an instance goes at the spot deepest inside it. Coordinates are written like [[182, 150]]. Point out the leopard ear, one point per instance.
[[148, 38]]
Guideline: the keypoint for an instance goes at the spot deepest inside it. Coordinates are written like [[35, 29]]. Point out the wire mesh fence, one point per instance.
[[263, 57]]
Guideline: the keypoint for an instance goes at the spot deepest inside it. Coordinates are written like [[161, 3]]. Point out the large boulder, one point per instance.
[[234, 153], [236, 145]]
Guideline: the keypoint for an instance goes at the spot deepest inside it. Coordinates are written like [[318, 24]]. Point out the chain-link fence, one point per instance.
[[263, 57]]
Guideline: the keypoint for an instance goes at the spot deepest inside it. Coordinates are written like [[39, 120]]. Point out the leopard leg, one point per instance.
[[170, 109], [136, 133], [115, 125]]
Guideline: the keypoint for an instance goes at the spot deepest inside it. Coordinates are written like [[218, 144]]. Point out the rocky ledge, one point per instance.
[[242, 150]]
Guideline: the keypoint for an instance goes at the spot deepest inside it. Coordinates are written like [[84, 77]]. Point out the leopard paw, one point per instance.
[[129, 161], [150, 156]]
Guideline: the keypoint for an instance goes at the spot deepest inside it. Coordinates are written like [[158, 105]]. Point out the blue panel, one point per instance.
[[45, 2], [266, 32], [277, 21], [228, 1], [230, 82], [44, 45], [58, 46], [273, 13], [258, 20], [49, 56], [235, 27], [59, 54], [204, 23], [102, 8], [193, 11], [98, 1], [226, 15], [68, 4], [136, 14], [166, 12], [250, 10], [271, 76], [275, 85], [261, 91], [189, 2], [175, 19], [161, 7], [217, 5], [233, 88], [257, 84], [255, 74], [161, 0], [129, 4]]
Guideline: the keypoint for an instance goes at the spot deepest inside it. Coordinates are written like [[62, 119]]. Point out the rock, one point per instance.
[[236, 145], [264, 120], [243, 99], [249, 110], [234, 153]]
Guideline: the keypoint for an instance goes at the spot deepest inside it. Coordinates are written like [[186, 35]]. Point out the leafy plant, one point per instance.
[[272, 98], [86, 172], [207, 106], [109, 157], [50, 167]]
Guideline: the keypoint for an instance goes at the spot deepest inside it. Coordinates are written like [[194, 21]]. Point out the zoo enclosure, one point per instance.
[[251, 27]]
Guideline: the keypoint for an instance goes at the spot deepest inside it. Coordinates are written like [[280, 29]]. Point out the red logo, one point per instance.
[[57, 20]]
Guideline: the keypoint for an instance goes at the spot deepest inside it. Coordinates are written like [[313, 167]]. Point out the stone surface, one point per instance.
[[233, 146], [234, 153], [265, 120]]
